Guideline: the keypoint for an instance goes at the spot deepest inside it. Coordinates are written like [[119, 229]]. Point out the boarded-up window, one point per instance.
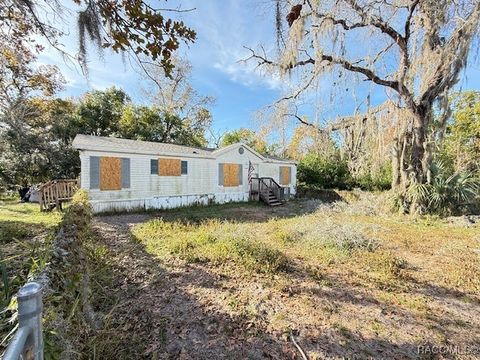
[[232, 175], [169, 167], [110, 173], [184, 168], [285, 175]]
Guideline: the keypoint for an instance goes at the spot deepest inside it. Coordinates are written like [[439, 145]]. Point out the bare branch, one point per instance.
[[369, 19]]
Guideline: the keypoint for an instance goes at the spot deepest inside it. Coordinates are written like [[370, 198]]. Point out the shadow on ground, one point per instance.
[[155, 310], [237, 212], [155, 314]]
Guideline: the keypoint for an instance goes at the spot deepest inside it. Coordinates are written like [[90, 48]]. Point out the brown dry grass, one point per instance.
[[345, 280]]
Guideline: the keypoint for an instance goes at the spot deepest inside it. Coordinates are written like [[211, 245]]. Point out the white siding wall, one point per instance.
[[272, 169], [199, 186], [234, 157], [143, 184]]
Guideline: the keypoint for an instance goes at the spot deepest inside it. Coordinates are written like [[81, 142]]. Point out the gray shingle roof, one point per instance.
[[111, 144], [100, 143]]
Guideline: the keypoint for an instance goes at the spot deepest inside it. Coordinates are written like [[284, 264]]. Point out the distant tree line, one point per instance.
[[455, 185], [36, 147]]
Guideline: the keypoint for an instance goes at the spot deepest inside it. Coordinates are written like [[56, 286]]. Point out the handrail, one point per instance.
[[28, 339], [265, 186], [56, 181], [17, 345], [271, 180]]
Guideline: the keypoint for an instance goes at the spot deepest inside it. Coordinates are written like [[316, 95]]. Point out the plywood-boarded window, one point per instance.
[[110, 173], [169, 167], [285, 175], [232, 174]]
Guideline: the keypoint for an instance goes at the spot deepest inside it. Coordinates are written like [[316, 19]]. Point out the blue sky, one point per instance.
[[223, 28]]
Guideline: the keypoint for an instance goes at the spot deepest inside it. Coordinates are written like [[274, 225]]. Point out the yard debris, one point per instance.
[[300, 350]]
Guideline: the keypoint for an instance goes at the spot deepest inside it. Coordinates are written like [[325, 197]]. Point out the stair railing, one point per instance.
[[272, 185], [263, 191], [260, 188]]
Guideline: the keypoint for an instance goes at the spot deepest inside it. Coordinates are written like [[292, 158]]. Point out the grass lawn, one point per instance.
[[25, 235], [342, 278]]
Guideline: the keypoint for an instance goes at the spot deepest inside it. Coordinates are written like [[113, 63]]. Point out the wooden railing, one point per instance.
[[53, 193], [261, 187]]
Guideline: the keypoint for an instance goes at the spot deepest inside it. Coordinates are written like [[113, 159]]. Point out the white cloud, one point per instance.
[[224, 28]]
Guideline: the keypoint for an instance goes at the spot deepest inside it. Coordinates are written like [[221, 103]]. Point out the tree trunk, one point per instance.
[[411, 156], [396, 164], [415, 159], [418, 148]]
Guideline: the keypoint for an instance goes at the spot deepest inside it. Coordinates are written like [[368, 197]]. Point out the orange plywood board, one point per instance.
[[110, 173], [169, 167]]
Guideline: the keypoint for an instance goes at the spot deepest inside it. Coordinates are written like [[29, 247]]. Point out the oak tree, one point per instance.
[[133, 27], [414, 50]]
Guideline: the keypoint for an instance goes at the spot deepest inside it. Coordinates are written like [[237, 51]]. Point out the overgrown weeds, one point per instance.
[[260, 247], [347, 273], [213, 241], [68, 312], [26, 237]]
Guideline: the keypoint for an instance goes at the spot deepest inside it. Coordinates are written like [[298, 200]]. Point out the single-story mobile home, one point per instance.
[[121, 174]]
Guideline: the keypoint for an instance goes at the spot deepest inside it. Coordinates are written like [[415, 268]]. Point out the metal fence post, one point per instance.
[[28, 340], [30, 308]]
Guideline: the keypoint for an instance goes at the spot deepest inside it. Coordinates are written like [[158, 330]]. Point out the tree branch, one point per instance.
[[341, 22], [379, 24], [447, 71], [347, 65]]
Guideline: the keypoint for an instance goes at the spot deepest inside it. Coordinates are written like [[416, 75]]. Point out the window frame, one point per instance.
[[182, 162], [153, 161]]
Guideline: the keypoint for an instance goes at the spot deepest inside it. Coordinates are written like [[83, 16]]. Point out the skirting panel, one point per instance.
[[165, 202]]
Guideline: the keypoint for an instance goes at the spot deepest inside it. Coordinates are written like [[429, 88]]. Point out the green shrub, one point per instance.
[[448, 193], [81, 197], [324, 171], [79, 212], [329, 171], [375, 181]]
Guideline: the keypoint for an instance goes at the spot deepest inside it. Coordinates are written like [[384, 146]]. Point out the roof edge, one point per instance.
[[225, 149], [82, 142]]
